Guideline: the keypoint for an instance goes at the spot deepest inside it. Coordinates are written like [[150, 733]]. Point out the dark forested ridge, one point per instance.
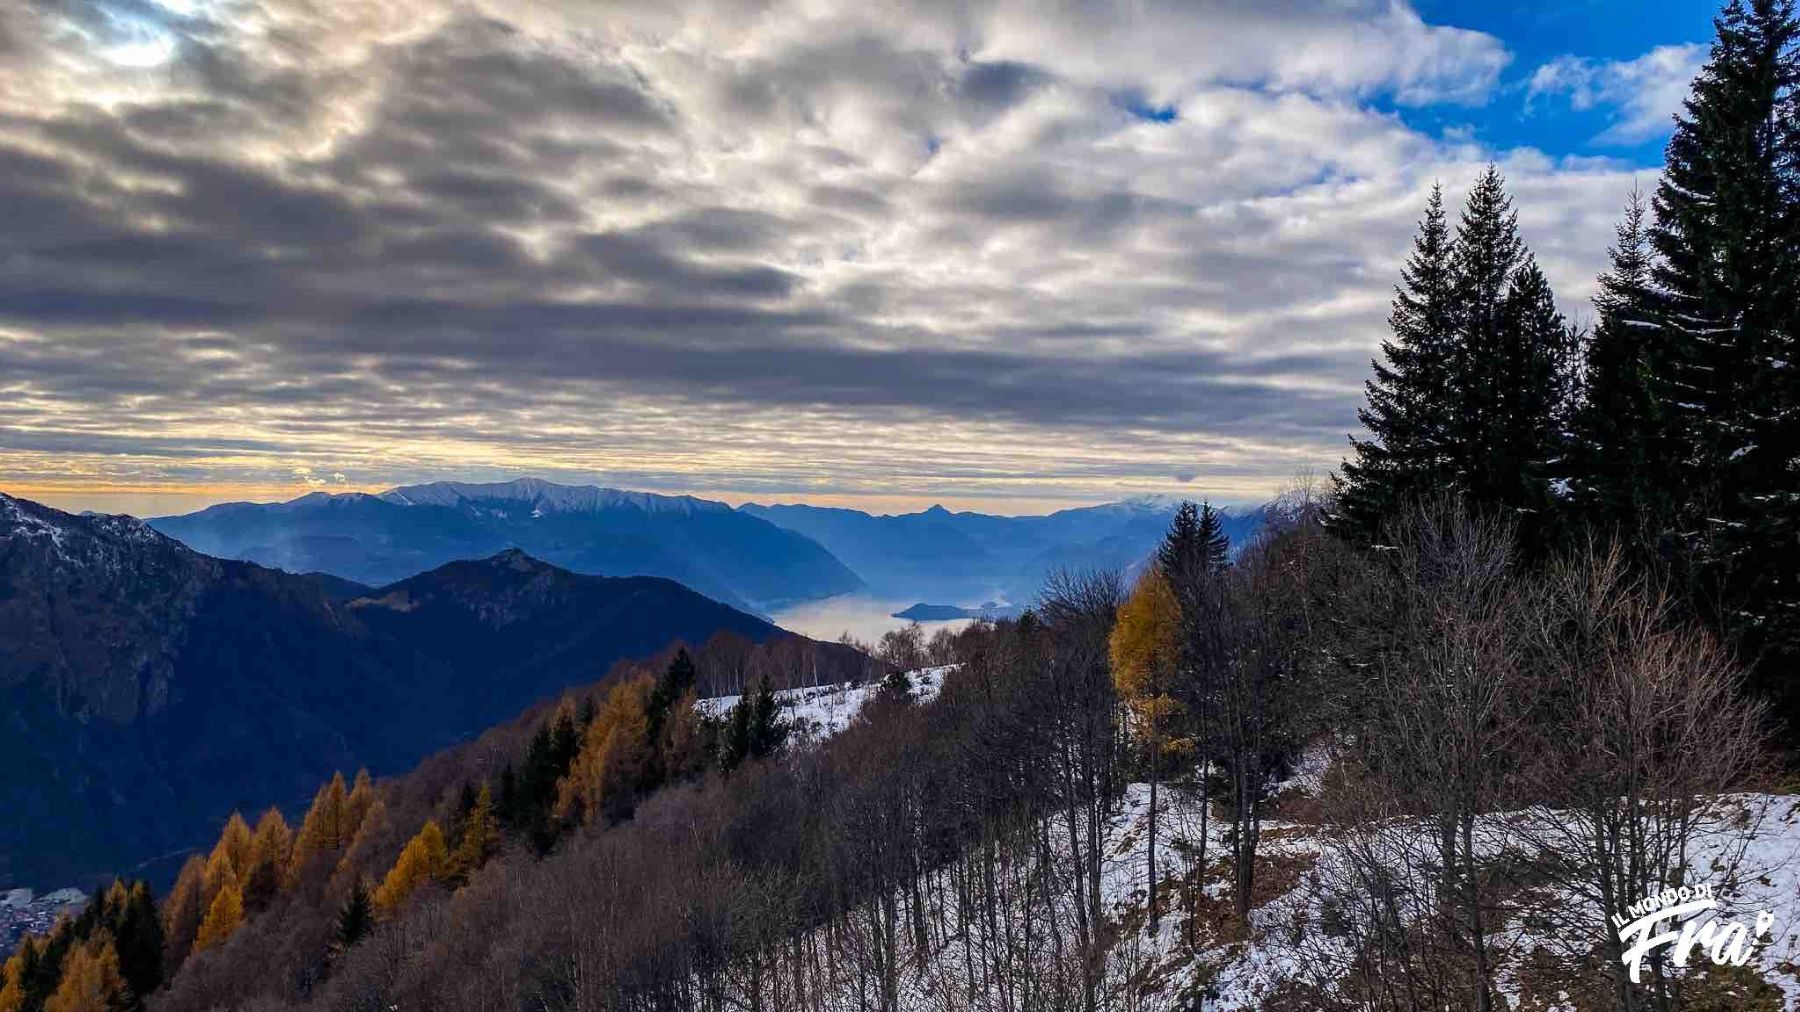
[[149, 689]]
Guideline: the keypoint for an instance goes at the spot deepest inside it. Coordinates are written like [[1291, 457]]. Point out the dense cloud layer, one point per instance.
[[986, 250]]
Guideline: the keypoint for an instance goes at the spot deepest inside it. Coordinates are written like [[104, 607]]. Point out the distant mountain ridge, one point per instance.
[[147, 689], [376, 539], [967, 558]]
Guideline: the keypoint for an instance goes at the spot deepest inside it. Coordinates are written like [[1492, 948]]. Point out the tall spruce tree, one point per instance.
[[1622, 454], [1727, 238], [1528, 374], [1476, 396], [1195, 543], [1410, 413], [1723, 236]]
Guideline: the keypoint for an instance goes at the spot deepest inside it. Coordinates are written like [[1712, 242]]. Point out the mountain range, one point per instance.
[[147, 689], [756, 557], [725, 554], [973, 559]]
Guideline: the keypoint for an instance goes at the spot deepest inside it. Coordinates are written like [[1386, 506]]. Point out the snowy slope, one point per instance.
[[824, 710]]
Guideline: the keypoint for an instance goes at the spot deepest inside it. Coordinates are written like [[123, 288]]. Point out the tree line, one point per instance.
[[1675, 423]]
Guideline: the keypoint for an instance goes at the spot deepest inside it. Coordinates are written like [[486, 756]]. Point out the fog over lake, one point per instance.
[[863, 617]]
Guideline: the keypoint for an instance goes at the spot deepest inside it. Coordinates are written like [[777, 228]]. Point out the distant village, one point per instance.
[[22, 913]]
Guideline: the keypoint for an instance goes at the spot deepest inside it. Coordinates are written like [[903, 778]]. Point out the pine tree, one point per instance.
[[356, 919], [1523, 453], [672, 686], [1479, 397], [768, 732], [1411, 411], [1181, 544], [479, 837], [425, 858], [1623, 466], [223, 918], [1215, 546], [1727, 237], [136, 928]]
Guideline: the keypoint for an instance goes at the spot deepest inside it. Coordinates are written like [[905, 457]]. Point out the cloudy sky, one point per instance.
[[1000, 254]]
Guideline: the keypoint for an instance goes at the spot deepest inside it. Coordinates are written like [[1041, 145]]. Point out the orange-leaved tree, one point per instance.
[[223, 917], [1145, 650], [424, 859], [615, 750], [91, 981]]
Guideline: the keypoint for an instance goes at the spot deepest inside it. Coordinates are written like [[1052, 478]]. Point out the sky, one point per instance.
[[999, 254]]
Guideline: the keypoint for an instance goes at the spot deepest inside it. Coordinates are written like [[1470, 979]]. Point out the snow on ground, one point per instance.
[[1287, 941], [822, 711]]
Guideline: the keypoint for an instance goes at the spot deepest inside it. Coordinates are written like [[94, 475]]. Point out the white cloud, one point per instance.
[[1644, 93], [791, 247]]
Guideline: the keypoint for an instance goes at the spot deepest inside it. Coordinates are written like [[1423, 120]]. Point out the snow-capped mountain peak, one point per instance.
[[539, 497]]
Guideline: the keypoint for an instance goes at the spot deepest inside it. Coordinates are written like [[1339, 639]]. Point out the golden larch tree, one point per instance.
[[271, 852], [182, 913], [324, 829], [614, 750], [234, 848], [424, 859], [223, 918], [1145, 650], [12, 974], [480, 836], [91, 981], [357, 803]]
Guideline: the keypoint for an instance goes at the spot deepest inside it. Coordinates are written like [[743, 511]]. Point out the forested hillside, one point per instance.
[[148, 689]]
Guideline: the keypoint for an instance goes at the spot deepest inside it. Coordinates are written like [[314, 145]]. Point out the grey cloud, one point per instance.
[[369, 228]]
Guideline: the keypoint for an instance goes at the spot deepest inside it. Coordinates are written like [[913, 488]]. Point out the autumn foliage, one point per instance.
[[426, 858]]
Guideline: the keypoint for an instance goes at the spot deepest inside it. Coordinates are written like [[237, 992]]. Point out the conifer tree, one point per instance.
[[425, 858], [1522, 451], [606, 774], [1144, 649], [357, 804], [1478, 394], [1411, 409], [356, 919], [131, 919], [1181, 544], [20, 967], [1513, 364], [326, 827], [230, 858], [182, 913], [271, 854], [1727, 238], [768, 732], [480, 836], [223, 918], [91, 981], [1622, 469]]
